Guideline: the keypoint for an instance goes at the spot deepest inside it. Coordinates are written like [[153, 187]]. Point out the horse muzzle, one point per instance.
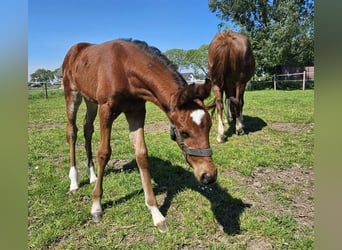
[[204, 169], [200, 159], [207, 179]]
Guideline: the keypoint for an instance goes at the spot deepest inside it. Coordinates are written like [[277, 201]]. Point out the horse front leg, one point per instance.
[[136, 127], [103, 155]]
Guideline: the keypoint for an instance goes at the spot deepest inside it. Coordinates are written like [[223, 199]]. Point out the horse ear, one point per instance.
[[203, 90], [183, 96], [191, 92]]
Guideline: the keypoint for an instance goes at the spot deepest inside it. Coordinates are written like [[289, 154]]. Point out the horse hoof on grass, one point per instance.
[[240, 132], [92, 180], [162, 228], [221, 139], [71, 192], [97, 217]]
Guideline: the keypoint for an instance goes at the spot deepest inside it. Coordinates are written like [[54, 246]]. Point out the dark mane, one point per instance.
[[160, 57]]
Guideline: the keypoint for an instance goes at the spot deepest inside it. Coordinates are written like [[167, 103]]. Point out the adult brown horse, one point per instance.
[[231, 65], [119, 76]]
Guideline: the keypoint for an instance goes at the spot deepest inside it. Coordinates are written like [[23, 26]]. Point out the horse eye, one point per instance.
[[184, 134]]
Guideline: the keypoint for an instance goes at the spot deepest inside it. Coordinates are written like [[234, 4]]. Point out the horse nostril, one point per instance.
[[207, 179]]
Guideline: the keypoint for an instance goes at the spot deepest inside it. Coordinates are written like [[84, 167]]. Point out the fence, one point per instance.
[[44, 85], [285, 81], [287, 78]]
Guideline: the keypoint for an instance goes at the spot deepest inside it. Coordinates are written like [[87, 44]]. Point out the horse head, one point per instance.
[[191, 124]]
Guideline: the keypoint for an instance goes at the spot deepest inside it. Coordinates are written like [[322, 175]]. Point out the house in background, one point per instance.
[[190, 78]]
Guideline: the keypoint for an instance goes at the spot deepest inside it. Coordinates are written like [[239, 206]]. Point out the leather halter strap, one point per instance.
[[185, 148]]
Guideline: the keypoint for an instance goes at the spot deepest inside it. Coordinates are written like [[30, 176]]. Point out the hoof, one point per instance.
[[97, 217], [92, 180], [162, 228], [240, 132], [72, 192], [221, 138]]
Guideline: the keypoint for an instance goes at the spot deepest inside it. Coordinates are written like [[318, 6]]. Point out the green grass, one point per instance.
[[216, 217]]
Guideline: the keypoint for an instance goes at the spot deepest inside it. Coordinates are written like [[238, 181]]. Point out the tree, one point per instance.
[[197, 59], [177, 56], [281, 32], [194, 59], [42, 76]]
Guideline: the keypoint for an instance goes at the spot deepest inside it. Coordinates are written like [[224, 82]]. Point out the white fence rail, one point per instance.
[[287, 77]]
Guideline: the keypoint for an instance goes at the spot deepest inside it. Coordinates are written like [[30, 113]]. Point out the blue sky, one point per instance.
[[54, 26]]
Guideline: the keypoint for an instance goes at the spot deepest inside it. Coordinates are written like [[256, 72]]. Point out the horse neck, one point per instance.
[[156, 84]]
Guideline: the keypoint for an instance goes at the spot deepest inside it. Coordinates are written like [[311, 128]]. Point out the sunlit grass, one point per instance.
[[197, 217]]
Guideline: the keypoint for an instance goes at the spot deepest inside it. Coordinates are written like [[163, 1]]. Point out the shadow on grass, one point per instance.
[[252, 124], [173, 179]]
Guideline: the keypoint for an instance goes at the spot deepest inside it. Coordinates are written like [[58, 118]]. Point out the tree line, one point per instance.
[[281, 33], [46, 76]]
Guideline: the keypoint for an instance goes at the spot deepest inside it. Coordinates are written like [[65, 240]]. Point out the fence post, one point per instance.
[[304, 80], [46, 92], [274, 82]]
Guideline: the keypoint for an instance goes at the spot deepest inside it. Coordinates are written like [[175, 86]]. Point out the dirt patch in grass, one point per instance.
[[157, 127], [45, 125], [283, 191], [292, 127]]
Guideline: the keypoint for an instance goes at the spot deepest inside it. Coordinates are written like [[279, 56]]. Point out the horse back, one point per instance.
[[95, 70], [230, 57]]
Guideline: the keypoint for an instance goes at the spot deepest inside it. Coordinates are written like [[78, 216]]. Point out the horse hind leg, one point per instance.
[[219, 107], [88, 130], [103, 154], [237, 108], [229, 114], [73, 100]]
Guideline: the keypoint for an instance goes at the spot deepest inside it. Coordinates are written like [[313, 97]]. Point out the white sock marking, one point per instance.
[[96, 208], [157, 217], [73, 178], [92, 175], [197, 116]]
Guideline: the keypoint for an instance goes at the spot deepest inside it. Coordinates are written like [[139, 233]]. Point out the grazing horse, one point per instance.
[[231, 65], [119, 76]]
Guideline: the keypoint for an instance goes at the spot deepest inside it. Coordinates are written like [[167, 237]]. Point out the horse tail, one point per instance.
[[222, 62]]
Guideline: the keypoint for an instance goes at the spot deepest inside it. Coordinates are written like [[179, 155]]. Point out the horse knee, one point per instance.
[[219, 103], [104, 154], [71, 133], [88, 130], [141, 158]]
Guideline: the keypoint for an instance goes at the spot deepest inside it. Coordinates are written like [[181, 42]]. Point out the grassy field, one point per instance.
[[263, 198]]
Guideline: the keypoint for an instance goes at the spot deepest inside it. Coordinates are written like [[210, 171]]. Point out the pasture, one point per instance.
[[263, 198]]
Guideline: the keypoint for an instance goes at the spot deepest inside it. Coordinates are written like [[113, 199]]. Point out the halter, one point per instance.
[[185, 148]]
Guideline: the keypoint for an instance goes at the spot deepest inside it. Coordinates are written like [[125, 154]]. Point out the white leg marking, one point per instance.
[[220, 130], [197, 115], [239, 124], [157, 217], [73, 178], [239, 121], [96, 207], [229, 114], [92, 175]]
